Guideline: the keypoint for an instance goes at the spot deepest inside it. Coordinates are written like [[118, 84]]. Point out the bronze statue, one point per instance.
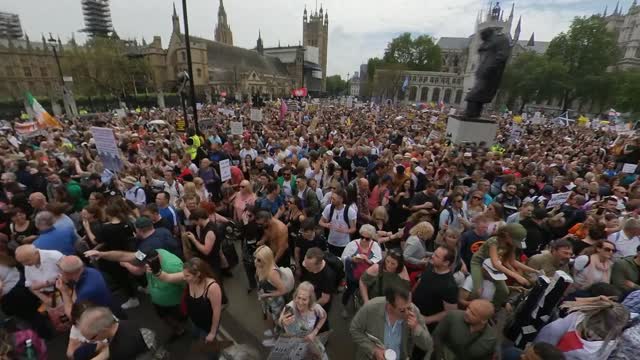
[[494, 53]]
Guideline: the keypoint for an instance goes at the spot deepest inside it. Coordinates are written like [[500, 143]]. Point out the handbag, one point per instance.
[[57, 316]]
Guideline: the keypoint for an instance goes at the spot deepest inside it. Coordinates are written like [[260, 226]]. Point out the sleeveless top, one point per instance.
[[213, 258], [199, 309]]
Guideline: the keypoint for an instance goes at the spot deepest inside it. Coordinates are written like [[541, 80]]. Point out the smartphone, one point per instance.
[[140, 256], [288, 310]]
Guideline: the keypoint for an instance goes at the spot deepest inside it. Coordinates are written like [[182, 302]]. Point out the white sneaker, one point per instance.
[[268, 342], [268, 333], [130, 304]]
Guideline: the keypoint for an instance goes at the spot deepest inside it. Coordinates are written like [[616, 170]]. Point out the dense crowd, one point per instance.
[[439, 247]]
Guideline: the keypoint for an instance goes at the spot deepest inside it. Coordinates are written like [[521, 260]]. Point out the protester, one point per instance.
[[388, 323], [557, 258], [389, 272], [271, 291], [625, 273]]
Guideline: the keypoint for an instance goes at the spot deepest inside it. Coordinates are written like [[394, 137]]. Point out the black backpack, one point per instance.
[[345, 216]]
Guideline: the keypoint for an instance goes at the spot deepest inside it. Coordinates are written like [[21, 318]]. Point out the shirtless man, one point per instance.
[[275, 235]]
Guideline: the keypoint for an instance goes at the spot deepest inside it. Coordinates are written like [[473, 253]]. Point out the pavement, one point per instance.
[[242, 323]]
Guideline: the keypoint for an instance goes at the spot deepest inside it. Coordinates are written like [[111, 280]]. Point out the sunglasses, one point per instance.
[[608, 249], [476, 198]]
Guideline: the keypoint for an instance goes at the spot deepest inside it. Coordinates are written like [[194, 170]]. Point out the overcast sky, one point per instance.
[[358, 29]]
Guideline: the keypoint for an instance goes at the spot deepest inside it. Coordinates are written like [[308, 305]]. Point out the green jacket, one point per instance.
[[454, 338], [369, 320], [625, 269]]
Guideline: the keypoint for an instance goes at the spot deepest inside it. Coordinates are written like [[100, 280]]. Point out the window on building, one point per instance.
[[447, 96], [424, 96], [27, 71], [458, 99], [183, 56], [9, 71], [638, 52], [43, 72], [436, 95], [199, 72]]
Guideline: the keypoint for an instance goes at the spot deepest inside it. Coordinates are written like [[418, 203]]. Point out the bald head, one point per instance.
[[27, 255], [479, 312], [38, 201], [70, 265]]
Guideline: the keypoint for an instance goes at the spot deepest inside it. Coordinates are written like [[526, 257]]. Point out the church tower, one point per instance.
[[315, 32], [223, 31], [259, 45], [175, 20]]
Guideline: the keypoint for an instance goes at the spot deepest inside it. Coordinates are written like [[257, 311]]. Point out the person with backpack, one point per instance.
[[271, 291], [358, 256], [134, 192], [340, 220], [310, 202]]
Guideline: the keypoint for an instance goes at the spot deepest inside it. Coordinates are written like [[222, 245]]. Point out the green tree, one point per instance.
[[586, 50], [104, 66], [387, 82], [420, 54], [336, 86], [628, 91]]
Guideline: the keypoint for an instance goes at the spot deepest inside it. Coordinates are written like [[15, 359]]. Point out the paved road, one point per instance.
[[241, 322]]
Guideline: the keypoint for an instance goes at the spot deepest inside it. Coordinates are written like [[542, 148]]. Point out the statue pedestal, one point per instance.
[[463, 130]]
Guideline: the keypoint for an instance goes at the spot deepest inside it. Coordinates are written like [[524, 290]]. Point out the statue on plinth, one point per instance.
[[493, 53]]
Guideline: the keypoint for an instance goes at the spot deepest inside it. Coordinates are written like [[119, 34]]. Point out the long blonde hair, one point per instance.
[[603, 318], [266, 260]]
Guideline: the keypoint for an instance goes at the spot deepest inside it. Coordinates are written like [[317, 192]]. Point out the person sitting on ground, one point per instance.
[[466, 334], [557, 258]]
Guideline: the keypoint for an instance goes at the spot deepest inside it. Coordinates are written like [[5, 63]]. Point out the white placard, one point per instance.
[[236, 128], [433, 120], [629, 168], [225, 170], [107, 147], [349, 102], [227, 112], [121, 114], [198, 106], [452, 111], [14, 141], [256, 115], [558, 199], [434, 135]]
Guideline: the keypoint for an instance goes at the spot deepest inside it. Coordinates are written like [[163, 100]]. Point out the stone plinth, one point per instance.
[[463, 130]]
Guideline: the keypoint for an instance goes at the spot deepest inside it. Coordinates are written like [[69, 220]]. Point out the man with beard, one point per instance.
[[556, 259], [509, 200]]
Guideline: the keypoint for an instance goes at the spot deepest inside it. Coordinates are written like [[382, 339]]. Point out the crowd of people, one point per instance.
[[426, 244]]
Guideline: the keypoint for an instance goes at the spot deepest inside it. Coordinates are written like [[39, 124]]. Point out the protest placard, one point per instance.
[[349, 102], [629, 168], [225, 170], [558, 199], [107, 147], [236, 127], [256, 115]]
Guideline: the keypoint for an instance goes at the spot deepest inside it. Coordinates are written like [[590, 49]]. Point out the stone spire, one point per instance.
[[223, 30], [513, 7], [615, 11], [304, 14], [516, 34], [175, 20], [259, 45], [26, 38], [633, 4], [605, 11], [326, 18]]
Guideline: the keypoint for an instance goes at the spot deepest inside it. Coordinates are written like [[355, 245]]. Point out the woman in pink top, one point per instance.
[[242, 199]]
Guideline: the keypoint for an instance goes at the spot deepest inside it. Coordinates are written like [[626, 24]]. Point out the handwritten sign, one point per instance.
[[107, 148], [236, 128], [558, 199], [225, 170], [629, 168], [256, 115]]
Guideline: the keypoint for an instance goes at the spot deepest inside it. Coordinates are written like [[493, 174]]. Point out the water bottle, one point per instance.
[[29, 351]]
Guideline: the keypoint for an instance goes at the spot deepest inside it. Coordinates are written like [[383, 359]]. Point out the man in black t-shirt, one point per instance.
[[124, 337], [437, 292], [426, 200], [322, 277], [151, 211], [310, 238]]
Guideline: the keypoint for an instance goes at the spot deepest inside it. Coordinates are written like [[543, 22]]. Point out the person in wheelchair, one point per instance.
[[390, 272]]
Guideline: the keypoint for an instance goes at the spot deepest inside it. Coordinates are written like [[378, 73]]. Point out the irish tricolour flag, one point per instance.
[[45, 120]]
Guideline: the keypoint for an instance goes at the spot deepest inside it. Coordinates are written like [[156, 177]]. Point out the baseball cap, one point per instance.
[[487, 265], [143, 222], [518, 234]]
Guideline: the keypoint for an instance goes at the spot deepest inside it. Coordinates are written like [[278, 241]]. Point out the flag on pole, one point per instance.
[[43, 118], [405, 84], [283, 109]]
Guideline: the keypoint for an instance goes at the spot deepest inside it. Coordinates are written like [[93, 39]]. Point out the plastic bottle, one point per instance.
[[29, 351]]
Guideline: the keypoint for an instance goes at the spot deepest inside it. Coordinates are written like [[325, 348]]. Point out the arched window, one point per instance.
[[424, 96], [447, 96], [436, 95], [413, 92], [458, 97]]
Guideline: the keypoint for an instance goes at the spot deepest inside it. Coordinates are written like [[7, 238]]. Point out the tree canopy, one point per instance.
[[336, 86]]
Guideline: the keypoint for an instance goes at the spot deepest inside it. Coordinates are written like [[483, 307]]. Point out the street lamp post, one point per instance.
[[190, 65], [67, 107]]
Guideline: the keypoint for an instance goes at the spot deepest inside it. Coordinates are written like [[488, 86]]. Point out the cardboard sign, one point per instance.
[[198, 106], [205, 124], [558, 199], [349, 102], [225, 170], [256, 115], [121, 114], [181, 125], [107, 147], [629, 168], [236, 128]]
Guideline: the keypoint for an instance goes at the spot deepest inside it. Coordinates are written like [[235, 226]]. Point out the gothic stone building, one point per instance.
[[627, 30]]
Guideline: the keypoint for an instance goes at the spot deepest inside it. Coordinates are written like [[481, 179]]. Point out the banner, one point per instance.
[[107, 147], [205, 124], [629, 168], [25, 128], [225, 170], [558, 199], [301, 92]]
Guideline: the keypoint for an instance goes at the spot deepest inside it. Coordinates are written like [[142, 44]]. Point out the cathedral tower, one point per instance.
[[223, 31], [315, 32]]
